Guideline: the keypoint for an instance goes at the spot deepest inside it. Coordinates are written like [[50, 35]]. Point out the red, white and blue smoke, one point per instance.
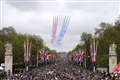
[[63, 28]]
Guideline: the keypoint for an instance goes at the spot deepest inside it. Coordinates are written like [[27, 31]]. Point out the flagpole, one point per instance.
[[94, 54], [37, 56], [24, 52], [85, 60]]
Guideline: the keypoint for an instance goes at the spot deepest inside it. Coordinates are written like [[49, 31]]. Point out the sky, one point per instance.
[[35, 17]]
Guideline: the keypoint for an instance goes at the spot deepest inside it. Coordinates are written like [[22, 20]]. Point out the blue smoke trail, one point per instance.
[[66, 26], [60, 34], [63, 29]]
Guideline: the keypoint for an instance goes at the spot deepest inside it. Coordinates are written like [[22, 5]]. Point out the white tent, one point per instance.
[[1, 68]]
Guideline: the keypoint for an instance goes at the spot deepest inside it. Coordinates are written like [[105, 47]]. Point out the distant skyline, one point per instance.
[[35, 17]]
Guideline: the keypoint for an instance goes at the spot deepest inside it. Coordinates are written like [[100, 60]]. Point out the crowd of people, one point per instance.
[[70, 68], [46, 57], [62, 70], [76, 57]]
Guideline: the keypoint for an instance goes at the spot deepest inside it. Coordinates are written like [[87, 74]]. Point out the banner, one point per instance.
[[93, 51]]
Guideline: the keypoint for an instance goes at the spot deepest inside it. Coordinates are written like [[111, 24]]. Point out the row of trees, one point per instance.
[[9, 34], [106, 34]]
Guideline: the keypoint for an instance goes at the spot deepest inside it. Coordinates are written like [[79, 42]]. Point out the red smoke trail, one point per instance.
[[54, 29]]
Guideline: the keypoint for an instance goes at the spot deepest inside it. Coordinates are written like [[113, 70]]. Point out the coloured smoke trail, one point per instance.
[[54, 29], [57, 39], [63, 30]]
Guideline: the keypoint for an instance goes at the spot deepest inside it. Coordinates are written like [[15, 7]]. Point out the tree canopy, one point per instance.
[[107, 34], [9, 34]]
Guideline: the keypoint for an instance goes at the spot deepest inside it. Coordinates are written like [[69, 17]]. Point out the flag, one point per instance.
[[93, 51], [81, 55]]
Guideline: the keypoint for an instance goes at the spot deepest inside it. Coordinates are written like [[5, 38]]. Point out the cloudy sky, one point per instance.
[[35, 17]]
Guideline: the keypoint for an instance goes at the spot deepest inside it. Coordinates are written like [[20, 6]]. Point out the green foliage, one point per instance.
[[1, 52], [86, 37], [107, 34], [110, 35], [9, 34]]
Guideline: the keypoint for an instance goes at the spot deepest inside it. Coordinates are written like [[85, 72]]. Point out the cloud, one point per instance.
[[35, 17]]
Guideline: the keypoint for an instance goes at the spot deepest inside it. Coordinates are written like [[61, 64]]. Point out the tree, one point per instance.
[[86, 37], [9, 34], [101, 28], [108, 34]]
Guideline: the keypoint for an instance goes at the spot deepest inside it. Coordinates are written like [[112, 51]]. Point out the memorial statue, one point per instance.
[[112, 57], [113, 47], [8, 48], [8, 58]]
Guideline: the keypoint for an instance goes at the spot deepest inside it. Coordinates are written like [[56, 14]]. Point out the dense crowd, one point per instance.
[[62, 70], [53, 68]]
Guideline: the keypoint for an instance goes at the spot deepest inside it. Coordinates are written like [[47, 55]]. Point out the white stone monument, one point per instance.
[[112, 57], [8, 57]]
